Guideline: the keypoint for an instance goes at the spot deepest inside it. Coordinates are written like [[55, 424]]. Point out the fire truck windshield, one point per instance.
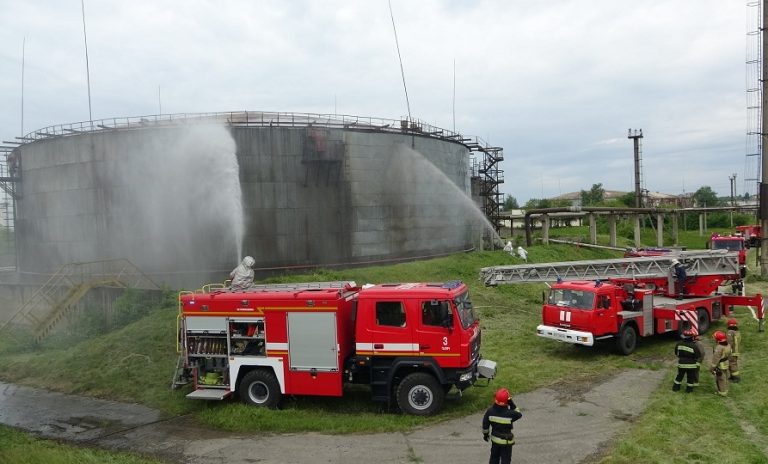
[[730, 245], [467, 314], [572, 298]]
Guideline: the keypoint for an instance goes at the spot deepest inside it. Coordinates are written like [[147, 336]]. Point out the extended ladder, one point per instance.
[[699, 263]]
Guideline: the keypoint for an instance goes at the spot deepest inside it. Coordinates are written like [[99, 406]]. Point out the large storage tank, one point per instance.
[[185, 197]]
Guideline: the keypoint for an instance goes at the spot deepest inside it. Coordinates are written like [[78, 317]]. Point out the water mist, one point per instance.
[[176, 201], [435, 206]]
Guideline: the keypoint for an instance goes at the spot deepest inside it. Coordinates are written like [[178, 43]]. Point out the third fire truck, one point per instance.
[[410, 343], [625, 299]]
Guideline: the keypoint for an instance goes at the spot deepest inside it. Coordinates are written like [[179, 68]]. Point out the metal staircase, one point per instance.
[[60, 295], [490, 176], [704, 262]]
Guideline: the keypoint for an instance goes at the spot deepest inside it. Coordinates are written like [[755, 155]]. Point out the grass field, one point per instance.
[[21, 448], [135, 363]]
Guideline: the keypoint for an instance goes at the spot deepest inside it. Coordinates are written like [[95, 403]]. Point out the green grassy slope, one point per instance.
[[136, 363]]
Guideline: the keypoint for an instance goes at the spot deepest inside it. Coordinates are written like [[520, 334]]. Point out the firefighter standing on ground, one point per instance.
[[497, 427], [688, 357], [734, 341], [719, 363]]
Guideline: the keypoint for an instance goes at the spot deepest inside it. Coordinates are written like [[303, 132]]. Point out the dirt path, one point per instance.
[[562, 424]]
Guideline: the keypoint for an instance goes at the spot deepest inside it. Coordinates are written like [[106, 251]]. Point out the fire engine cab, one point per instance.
[[411, 343]]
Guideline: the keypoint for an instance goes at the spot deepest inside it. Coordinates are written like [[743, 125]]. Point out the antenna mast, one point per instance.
[[87, 65], [402, 72]]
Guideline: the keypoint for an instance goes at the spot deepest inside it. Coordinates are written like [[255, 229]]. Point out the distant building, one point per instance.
[[652, 199]]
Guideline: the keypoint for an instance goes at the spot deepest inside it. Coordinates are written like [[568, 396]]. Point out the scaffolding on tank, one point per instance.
[[9, 177]]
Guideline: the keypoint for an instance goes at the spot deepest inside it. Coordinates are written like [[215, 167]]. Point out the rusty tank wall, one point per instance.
[[310, 197]]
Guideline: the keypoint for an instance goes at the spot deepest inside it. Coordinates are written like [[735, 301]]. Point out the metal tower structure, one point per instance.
[[754, 59], [638, 151]]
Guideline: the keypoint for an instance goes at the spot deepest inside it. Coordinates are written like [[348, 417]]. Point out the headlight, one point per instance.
[[466, 376]]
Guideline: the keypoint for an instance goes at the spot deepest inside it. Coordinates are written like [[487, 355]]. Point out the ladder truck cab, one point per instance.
[[734, 243], [625, 299], [410, 343]]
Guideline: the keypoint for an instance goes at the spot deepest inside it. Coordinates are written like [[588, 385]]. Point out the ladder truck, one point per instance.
[[410, 343], [625, 299]]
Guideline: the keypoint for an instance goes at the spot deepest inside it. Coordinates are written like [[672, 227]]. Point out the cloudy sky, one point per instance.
[[556, 83]]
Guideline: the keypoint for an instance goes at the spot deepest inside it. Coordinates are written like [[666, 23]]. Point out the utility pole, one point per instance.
[[636, 136], [733, 194]]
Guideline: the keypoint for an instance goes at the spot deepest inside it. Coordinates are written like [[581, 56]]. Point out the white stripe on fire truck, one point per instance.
[[387, 347], [277, 346]]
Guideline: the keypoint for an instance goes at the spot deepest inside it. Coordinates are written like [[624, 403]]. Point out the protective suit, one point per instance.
[[522, 253], [509, 248], [242, 275]]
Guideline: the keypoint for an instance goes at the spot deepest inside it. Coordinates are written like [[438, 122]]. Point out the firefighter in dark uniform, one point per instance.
[[680, 275], [497, 427], [688, 357]]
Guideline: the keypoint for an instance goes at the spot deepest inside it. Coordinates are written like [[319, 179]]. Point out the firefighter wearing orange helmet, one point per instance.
[[719, 366], [734, 341], [497, 427], [688, 356]]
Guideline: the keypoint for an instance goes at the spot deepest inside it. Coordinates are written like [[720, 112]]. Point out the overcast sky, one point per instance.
[[555, 83]]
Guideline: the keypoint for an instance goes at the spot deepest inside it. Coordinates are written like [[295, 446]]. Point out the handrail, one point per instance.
[[256, 118], [94, 273]]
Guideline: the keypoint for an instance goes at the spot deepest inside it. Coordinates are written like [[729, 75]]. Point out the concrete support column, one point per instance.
[[636, 220], [545, 229], [675, 235], [592, 229], [659, 230], [612, 230]]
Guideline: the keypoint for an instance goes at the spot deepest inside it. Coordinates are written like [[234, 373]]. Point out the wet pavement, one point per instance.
[[561, 424]]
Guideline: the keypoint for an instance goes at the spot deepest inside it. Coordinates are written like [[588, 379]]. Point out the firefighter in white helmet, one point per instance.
[[497, 427], [242, 275]]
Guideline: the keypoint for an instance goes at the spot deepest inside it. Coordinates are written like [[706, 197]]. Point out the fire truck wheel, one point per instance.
[[703, 316], [420, 394], [260, 388], [627, 340]]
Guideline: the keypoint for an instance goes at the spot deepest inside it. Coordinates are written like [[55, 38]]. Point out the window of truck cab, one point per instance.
[[467, 314], [390, 313], [577, 299]]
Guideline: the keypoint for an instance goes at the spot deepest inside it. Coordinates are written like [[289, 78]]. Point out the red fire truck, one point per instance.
[[753, 234], [584, 312], [411, 343], [624, 299]]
